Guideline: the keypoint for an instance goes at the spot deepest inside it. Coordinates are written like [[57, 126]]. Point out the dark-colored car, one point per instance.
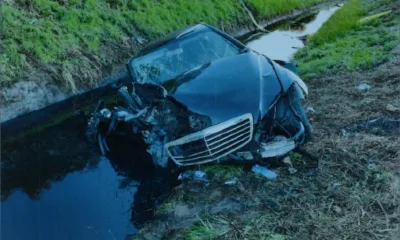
[[230, 100]]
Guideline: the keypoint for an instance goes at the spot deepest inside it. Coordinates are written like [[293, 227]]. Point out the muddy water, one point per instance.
[[282, 43], [54, 185]]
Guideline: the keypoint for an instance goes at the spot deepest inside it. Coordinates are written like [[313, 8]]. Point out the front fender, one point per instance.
[[288, 78]]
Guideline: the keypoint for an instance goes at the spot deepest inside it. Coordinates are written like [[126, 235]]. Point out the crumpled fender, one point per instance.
[[288, 78]]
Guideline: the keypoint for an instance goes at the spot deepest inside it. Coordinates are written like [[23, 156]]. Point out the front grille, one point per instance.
[[212, 143]]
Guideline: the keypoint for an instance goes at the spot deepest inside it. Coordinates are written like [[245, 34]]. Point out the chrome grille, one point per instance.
[[212, 143]]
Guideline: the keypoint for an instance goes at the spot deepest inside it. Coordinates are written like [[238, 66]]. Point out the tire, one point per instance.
[[300, 114]]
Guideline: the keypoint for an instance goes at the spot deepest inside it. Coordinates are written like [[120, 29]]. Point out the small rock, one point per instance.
[[364, 86], [392, 108]]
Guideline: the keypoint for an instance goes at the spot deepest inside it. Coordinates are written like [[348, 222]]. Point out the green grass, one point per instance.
[[222, 172], [270, 8], [345, 19], [202, 231], [343, 44], [44, 31], [70, 36]]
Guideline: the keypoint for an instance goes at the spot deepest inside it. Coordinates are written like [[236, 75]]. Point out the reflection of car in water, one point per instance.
[[199, 95]]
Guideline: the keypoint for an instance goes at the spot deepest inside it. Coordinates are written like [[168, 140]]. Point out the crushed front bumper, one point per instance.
[[212, 143], [223, 139]]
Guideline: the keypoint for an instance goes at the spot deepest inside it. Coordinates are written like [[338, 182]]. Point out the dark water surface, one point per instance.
[[57, 186], [86, 204], [54, 185]]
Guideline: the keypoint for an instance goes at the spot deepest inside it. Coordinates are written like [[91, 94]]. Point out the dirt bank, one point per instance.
[[37, 77]]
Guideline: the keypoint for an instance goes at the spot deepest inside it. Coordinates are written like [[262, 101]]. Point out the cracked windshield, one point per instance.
[[182, 55]]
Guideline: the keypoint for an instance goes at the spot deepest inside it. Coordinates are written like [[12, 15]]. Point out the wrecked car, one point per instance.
[[198, 95]]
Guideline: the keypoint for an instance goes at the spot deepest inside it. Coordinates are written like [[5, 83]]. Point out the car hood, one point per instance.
[[227, 88]]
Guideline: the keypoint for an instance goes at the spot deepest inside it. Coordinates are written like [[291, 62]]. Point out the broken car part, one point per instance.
[[212, 143]]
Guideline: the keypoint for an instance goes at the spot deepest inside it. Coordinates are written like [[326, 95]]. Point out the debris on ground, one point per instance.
[[264, 171], [289, 163], [193, 175], [363, 86], [233, 181], [368, 19]]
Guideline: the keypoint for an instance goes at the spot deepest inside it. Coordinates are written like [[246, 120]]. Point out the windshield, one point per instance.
[[182, 55]]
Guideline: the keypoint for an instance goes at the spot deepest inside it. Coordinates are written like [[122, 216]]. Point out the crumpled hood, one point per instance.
[[228, 88]]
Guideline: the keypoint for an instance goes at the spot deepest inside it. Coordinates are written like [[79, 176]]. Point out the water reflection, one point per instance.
[[281, 44], [34, 161], [57, 186]]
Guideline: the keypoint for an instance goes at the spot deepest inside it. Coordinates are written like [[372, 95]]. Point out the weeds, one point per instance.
[[222, 172], [343, 44], [344, 20], [202, 230], [270, 8]]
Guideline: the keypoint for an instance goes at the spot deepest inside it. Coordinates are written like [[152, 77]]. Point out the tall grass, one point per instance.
[[345, 19], [270, 8], [343, 44]]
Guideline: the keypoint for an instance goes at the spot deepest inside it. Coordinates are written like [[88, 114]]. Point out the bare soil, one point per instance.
[[354, 195]]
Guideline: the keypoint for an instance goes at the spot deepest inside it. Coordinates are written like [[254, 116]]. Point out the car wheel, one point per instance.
[[295, 102]]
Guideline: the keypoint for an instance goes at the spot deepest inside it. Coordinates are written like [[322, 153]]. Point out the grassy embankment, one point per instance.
[[344, 43], [355, 195], [77, 42]]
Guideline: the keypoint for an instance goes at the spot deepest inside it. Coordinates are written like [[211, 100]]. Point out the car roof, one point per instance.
[[169, 37]]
